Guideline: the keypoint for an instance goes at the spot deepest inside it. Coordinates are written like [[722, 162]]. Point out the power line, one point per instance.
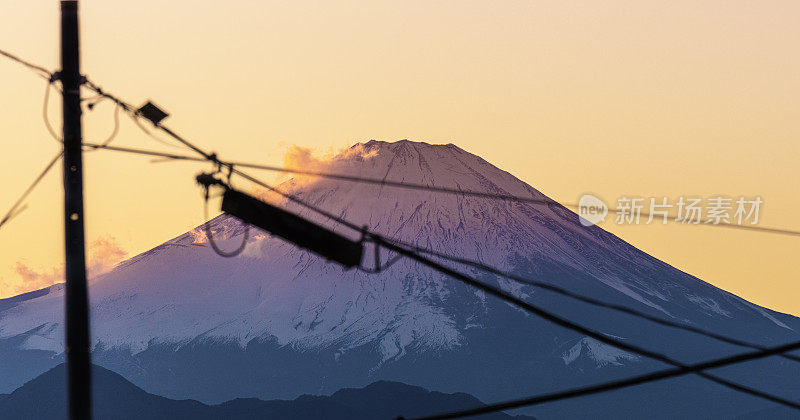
[[423, 187], [115, 129], [213, 157], [540, 312], [472, 282], [481, 286], [592, 301], [210, 233], [45, 112], [496, 271], [493, 270], [544, 314], [612, 385], [132, 110], [400, 250], [478, 194], [43, 72], [379, 240], [135, 118], [16, 209], [496, 292], [143, 152]]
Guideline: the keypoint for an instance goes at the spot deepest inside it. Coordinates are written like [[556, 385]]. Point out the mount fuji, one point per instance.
[[277, 322]]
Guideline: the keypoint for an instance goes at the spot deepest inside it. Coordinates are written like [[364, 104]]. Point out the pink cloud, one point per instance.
[[104, 254]]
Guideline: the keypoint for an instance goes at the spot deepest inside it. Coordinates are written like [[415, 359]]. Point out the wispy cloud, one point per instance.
[[312, 160], [318, 161], [103, 254]]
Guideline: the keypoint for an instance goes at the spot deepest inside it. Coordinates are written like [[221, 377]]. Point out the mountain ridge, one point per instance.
[[116, 398]]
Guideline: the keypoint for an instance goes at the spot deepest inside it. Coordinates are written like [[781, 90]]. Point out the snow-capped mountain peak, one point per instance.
[[282, 309]]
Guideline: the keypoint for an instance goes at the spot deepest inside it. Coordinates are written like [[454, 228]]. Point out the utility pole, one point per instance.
[[77, 302]]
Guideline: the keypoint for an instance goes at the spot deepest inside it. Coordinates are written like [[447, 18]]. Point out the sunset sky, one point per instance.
[[613, 98]]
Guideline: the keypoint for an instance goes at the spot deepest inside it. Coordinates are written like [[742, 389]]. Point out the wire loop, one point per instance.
[[210, 233]]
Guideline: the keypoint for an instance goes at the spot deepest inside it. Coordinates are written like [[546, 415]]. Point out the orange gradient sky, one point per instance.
[[653, 98]]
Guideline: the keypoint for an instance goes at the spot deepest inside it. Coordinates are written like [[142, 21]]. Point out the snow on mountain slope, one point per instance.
[[180, 295], [179, 291], [601, 354]]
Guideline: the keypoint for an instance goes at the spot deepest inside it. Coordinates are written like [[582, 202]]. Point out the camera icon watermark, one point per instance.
[[591, 210]]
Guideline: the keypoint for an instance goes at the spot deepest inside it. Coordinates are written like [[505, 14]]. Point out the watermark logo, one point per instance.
[[591, 210], [714, 210]]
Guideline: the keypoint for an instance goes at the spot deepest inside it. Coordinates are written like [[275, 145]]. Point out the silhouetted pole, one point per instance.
[[77, 302]]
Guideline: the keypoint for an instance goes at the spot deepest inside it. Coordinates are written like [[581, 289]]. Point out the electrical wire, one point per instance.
[[467, 193], [378, 266], [132, 111], [484, 267], [166, 155], [547, 315], [472, 282], [542, 285], [43, 72], [591, 301], [525, 305], [612, 385], [135, 118], [493, 270], [526, 281], [210, 234], [45, 112], [16, 209], [52, 131], [565, 323], [481, 286], [534, 283], [478, 194], [129, 109], [114, 131]]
